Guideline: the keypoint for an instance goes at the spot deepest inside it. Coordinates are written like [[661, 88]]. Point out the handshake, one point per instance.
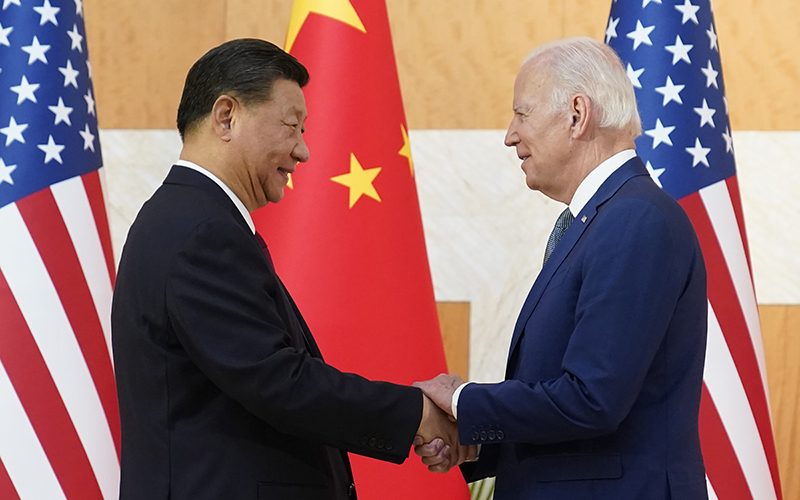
[[437, 437]]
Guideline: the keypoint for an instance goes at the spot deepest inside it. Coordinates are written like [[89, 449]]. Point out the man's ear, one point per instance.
[[223, 115], [581, 113]]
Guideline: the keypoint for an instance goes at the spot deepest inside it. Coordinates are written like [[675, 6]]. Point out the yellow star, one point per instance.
[[341, 10], [359, 181], [290, 184], [406, 149]]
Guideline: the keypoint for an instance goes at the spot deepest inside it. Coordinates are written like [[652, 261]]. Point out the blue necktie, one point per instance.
[[562, 224]]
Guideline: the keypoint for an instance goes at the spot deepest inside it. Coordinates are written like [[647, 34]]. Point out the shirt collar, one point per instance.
[[589, 186], [235, 199]]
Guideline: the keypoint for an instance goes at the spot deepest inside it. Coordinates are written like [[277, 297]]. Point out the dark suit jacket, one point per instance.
[[222, 391], [604, 374]]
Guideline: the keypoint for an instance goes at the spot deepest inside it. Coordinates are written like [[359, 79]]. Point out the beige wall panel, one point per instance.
[[758, 43], [140, 53], [781, 332], [586, 18], [454, 323], [457, 59], [268, 20]]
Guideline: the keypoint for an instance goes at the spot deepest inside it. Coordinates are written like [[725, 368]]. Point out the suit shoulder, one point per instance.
[[171, 219], [640, 195], [642, 212], [174, 211]]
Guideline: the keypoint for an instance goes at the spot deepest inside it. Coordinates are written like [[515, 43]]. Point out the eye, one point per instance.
[[297, 126]]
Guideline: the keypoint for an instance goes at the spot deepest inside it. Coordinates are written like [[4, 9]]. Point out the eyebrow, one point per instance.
[[296, 110]]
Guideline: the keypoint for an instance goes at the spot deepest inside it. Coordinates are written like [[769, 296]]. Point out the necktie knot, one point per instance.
[[562, 224]]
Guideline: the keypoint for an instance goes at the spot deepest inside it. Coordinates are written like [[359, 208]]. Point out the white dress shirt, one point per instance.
[[586, 189], [235, 199], [589, 186]]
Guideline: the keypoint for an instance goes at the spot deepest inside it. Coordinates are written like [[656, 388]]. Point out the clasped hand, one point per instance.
[[437, 440]]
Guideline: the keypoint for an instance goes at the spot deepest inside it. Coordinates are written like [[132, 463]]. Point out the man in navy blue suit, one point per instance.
[[605, 368]]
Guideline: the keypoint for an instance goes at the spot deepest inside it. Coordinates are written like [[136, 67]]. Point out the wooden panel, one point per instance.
[[456, 71], [758, 44], [268, 20], [457, 59], [586, 18], [454, 322], [781, 332], [140, 53]]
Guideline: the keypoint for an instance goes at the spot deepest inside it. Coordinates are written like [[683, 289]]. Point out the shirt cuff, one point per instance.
[[456, 395]]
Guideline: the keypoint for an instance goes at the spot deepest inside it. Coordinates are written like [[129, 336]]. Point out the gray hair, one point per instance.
[[586, 66]]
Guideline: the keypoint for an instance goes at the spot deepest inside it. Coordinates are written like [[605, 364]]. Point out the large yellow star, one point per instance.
[[406, 149], [290, 184], [341, 10], [359, 181]]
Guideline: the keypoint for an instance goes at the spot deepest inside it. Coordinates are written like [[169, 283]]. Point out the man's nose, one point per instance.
[[301, 152], [511, 138]]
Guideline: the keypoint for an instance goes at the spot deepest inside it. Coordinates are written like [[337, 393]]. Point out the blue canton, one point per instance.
[[671, 54], [48, 122]]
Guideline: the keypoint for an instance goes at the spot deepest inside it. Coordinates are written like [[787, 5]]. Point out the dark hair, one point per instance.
[[245, 68]]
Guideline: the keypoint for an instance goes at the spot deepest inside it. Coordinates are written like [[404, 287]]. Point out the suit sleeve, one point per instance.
[[220, 300], [630, 281], [483, 468]]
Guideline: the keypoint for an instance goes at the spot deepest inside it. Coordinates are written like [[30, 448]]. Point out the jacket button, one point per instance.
[[351, 491], [380, 444], [363, 441], [500, 435], [389, 446], [475, 436], [491, 435], [483, 435], [372, 442]]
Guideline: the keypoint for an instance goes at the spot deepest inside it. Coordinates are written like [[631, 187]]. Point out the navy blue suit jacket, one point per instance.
[[223, 392], [604, 373]]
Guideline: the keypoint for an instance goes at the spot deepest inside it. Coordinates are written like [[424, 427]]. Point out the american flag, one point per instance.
[[671, 53], [59, 423]]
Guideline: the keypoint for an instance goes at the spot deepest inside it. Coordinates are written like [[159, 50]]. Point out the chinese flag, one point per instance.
[[347, 238]]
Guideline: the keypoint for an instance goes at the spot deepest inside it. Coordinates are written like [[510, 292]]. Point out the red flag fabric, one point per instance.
[[59, 422], [347, 238]]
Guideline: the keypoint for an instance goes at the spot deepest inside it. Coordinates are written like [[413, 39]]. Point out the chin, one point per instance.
[[275, 195], [532, 184]]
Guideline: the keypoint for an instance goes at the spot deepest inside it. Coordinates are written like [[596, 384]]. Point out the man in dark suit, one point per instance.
[[223, 392], [604, 372]]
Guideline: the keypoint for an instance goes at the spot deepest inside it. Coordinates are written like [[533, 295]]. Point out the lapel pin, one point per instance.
[[583, 219]]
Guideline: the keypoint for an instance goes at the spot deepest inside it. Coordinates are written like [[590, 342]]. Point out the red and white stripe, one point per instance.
[[59, 428], [735, 420]]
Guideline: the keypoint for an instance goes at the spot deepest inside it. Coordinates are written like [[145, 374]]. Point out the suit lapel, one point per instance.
[[186, 176], [302, 328], [628, 170]]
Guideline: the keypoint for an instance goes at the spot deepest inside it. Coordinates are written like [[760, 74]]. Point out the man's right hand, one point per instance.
[[437, 440]]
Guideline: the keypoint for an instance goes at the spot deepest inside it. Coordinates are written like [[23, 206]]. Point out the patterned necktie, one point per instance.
[[562, 224]]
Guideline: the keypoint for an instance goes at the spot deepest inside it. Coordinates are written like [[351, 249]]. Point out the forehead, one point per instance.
[[531, 84], [287, 97]]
